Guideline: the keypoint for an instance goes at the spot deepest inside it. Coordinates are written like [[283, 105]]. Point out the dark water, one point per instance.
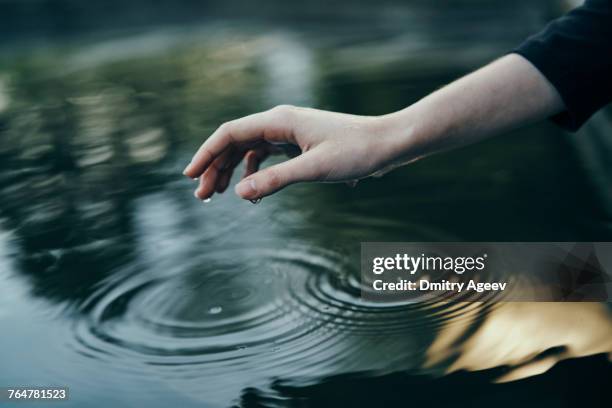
[[116, 282]]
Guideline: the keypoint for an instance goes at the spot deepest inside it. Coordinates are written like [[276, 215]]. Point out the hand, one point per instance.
[[340, 147], [334, 147]]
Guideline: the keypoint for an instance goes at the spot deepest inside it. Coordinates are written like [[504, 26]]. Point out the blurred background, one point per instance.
[[116, 282]]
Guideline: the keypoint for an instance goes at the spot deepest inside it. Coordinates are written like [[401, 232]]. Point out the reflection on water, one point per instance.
[[114, 280], [528, 338]]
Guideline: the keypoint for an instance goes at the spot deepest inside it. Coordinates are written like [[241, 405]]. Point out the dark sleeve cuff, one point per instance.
[[576, 113], [574, 52]]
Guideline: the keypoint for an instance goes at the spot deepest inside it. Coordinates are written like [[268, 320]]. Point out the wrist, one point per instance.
[[404, 136]]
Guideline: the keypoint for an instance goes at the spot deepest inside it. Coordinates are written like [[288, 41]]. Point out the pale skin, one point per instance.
[[338, 147]]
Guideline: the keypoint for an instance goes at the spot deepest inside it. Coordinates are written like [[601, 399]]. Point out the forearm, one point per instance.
[[501, 96]]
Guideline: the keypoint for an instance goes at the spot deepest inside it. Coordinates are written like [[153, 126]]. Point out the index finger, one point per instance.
[[273, 126]]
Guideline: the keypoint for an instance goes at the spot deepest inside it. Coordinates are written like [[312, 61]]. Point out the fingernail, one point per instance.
[[186, 170], [246, 188], [195, 194]]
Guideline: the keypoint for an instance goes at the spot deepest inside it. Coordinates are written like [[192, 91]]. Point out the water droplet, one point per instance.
[[215, 310], [256, 201], [206, 201]]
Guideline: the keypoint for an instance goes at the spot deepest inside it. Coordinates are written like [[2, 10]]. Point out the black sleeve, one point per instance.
[[575, 53]]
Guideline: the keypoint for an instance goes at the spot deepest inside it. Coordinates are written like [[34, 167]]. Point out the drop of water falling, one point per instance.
[[215, 310], [256, 201], [206, 201]]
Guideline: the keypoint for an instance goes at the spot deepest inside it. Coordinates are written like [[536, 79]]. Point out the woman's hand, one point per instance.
[[503, 95], [334, 147]]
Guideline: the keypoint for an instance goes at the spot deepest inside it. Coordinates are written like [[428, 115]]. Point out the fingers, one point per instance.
[[274, 125], [253, 159], [217, 176], [224, 180], [268, 181], [208, 180], [226, 174]]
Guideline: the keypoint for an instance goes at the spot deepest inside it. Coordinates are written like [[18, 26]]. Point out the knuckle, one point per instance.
[[223, 127], [227, 126], [275, 180], [284, 111], [227, 130]]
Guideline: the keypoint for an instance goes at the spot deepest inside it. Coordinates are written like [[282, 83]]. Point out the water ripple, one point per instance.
[[293, 312]]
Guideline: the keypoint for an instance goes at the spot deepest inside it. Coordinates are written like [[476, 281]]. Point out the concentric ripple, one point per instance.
[[293, 312]]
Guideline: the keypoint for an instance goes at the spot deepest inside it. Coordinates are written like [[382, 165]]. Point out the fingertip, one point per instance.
[[203, 197], [202, 194], [246, 189], [189, 170], [191, 173]]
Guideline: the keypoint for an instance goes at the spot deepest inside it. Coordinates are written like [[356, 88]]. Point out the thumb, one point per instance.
[[279, 176]]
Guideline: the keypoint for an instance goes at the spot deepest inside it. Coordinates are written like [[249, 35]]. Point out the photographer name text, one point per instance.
[[425, 263]]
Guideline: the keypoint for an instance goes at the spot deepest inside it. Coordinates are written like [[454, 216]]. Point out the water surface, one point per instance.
[[116, 282]]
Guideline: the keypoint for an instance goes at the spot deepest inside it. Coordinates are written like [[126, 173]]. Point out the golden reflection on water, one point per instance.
[[527, 337]]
